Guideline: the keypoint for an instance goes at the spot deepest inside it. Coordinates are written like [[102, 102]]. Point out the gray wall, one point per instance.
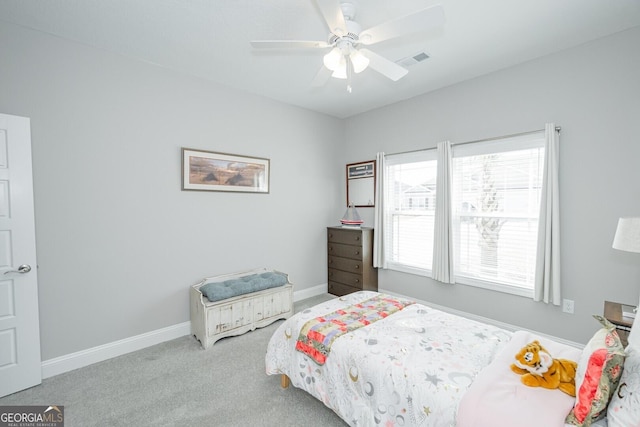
[[593, 92], [118, 242]]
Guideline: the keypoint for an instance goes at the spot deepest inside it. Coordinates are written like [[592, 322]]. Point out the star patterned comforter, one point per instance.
[[408, 369]]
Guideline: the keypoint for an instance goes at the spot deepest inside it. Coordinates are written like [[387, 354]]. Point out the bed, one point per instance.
[[414, 365]]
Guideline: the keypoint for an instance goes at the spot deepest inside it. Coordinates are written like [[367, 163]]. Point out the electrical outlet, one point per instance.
[[567, 306]]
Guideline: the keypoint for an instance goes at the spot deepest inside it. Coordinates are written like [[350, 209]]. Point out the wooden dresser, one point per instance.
[[350, 260]]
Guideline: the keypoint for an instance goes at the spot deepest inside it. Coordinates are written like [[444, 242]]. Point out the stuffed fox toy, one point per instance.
[[539, 369]]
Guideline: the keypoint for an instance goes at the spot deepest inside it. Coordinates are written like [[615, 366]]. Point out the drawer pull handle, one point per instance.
[[357, 266], [357, 280], [357, 252]]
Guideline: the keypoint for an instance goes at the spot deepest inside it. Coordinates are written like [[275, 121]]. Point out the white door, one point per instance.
[[20, 364]]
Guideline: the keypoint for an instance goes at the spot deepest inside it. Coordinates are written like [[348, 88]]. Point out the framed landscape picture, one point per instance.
[[211, 171]]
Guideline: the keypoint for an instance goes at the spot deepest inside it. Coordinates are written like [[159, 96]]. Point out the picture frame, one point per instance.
[[361, 184], [213, 171]]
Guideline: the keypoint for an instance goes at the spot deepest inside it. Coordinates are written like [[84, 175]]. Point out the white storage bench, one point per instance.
[[244, 312]]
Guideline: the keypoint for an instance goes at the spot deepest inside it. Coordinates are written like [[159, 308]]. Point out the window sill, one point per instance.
[[466, 281], [403, 268], [498, 287]]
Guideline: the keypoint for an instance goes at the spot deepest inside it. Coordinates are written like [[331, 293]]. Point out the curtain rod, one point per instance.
[[558, 129]]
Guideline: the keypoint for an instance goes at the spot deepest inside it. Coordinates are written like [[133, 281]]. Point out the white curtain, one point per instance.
[[442, 269], [547, 280], [379, 258]]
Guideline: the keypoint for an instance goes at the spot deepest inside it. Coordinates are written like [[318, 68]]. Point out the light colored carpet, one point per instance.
[[177, 383]]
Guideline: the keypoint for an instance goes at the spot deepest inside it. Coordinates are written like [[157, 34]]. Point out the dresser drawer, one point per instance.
[[340, 289], [346, 251], [349, 260], [350, 279], [346, 264], [348, 237]]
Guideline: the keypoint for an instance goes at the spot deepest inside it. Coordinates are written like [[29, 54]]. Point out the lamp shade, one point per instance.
[[627, 236], [332, 59], [341, 71], [359, 61]]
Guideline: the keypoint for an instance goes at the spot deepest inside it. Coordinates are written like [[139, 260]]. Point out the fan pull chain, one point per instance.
[[349, 74]]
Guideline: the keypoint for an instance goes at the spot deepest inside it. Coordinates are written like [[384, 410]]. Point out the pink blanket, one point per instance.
[[497, 398]]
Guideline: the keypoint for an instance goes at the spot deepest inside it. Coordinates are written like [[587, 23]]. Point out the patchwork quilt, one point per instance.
[[318, 334]]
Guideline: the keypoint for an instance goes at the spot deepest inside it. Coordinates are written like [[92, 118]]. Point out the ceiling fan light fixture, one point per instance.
[[341, 71], [333, 58], [347, 41], [359, 61]]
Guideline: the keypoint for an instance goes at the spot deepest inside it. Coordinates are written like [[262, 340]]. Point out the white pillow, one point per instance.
[[624, 408]]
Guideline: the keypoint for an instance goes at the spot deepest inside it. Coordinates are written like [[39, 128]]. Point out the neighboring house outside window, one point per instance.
[[420, 197]]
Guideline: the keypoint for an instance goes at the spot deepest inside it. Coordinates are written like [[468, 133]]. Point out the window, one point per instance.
[[496, 189], [410, 210]]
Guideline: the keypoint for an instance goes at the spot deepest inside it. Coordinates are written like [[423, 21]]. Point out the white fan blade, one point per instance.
[[333, 16], [425, 19], [289, 44], [322, 77], [385, 67]]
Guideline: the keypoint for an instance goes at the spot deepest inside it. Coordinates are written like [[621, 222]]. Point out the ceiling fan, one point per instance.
[[346, 40]]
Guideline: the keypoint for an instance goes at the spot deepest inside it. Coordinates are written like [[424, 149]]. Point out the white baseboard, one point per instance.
[[310, 292], [80, 359], [103, 352]]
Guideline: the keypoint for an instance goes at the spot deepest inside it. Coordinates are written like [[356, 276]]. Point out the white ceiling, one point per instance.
[[210, 39]]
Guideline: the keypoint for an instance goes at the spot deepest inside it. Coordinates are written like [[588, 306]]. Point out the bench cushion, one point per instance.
[[217, 291]]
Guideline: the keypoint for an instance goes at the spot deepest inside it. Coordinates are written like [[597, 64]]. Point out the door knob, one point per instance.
[[24, 268]]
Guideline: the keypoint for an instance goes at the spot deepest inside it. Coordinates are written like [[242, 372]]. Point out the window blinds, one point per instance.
[[410, 208], [496, 200]]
